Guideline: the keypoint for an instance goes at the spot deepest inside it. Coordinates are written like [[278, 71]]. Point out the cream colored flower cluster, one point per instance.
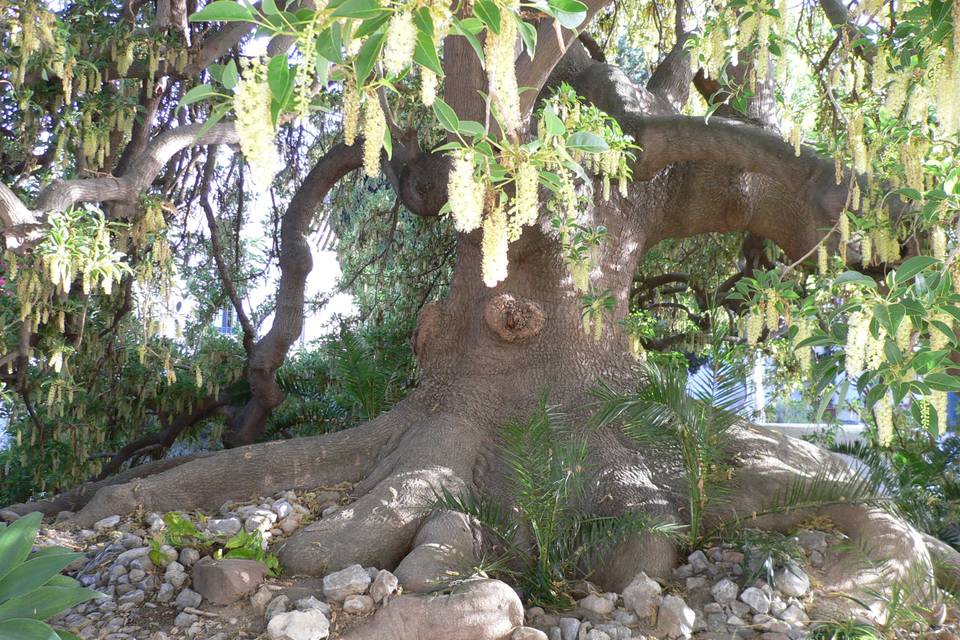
[[254, 122], [496, 241], [526, 204], [804, 354], [465, 193], [883, 414], [374, 129], [401, 42], [501, 71], [351, 112], [858, 337]]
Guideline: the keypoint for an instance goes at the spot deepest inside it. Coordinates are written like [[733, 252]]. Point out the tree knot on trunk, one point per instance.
[[513, 319]]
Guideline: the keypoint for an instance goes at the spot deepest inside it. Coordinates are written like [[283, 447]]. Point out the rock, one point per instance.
[[757, 600], [739, 609], [134, 597], [176, 578], [278, 605], [792, 581], [224, 526], [184, 620], [597, 604], [188, 598], [732, 557], [725, 591], [384, 584], [226, 581], [299, 625], [174, 567], [527, 633], [282, 508], [289, 524], [261, 599], [136, 575], [642, 596], [188, 556], [812, 540], [698, 560], [696, 582], [674, 618], [358, 605], [596, 634], [569, 628], [329, 511], [258, 522], [353, 580], [308, 603], [736, 621], [168, 555], [107, 523], [795, 616], [165, 594]]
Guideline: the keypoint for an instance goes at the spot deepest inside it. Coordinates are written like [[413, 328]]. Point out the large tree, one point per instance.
[[546, 246]]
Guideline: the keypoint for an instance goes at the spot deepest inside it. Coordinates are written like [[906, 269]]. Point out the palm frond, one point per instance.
[[484, 511]]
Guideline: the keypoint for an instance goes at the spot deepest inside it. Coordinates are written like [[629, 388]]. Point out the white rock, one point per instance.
[[596, 634], [384, 584], [299, 625], [184, 620], [596, 604], [792, 581], [642, 596], [353, 580], [527, 633], [358, 605], [757, 600], [795, 615], [278, 605], [725, 591], [310, 602], [224, 526], [569, 628], [107, 523], [282, 508], [674, 618]]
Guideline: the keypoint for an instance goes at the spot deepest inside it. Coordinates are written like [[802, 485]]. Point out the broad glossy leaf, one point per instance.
[[368, 55], [913, 266], [585, 141], [223, 11], [230, 75], [489, 13], [357, 9], [196, 94], [17, 540], [446, 115], [45, 602], [34, 573], [26, 629], [425, 53]]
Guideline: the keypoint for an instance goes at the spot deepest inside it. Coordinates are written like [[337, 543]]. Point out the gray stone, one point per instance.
[[9, 516], [756, 599], [289, 524], [527, 633], [282, 508], [165, 594], [642, 596], [107, 523], [596, 634], [569, 628], [224, 526], [812, 540], [136, 575], [698, 560], [358, 604], [739, 609], [683, 571], [299, 625], [188, 556], [261, 599], [188, 598], [792, 581], [130, 555], [555, 633], [353, 580], [134, 597], [795, 616], [725, 591], [696, 582], [777, 606], [674, 618], [176, 578], [184, 620], [278, 605], [168, 555], [384, 584], [227, 581], [597, 604], [258, 522], [310, 602], [736, 621]]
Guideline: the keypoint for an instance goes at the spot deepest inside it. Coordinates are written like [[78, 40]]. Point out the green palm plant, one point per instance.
[[31, 587], [686, 419], [548, 539]]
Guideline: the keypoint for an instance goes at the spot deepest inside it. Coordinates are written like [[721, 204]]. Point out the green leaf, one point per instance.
[[34, 573], [446, 115], [588, 142], [463, 28], [554, 124], [912, 267], [489, 13], [942, 382], [357, 9], [371, 25], [857, 278], [269, 7], [423, 20], [17, 540], [425, 53], [388, 143], [230, 76], [570, 13], [66, 635], [369, 53], [196, 94], [26, 629], [223, 11], [330, 43], [278, 75], [471, 128], [528, 33], [45, 602], [63, 581]]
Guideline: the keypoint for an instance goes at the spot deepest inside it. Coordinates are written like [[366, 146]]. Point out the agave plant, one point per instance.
[[31, 587]]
